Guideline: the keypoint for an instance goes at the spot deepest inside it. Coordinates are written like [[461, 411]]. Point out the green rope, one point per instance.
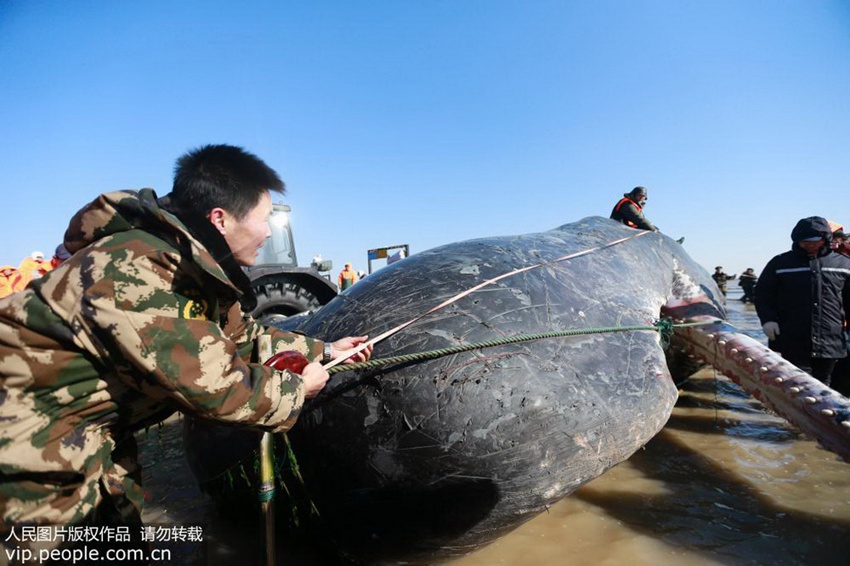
[[664, 326]]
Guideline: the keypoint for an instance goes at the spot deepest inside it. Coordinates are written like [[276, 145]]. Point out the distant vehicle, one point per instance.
[[283, 288]]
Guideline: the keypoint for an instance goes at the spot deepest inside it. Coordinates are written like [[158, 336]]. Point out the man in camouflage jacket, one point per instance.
[[146, 318]]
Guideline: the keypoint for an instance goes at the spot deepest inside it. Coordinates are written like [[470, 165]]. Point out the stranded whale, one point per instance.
[[423, 461]]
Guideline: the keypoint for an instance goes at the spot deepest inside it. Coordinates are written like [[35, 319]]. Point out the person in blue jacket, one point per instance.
[[801, 297]]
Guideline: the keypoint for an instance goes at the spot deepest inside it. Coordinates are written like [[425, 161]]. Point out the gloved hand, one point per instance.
[[771, 330]]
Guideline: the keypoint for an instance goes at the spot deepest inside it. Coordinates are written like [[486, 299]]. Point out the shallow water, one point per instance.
[[723, 483]]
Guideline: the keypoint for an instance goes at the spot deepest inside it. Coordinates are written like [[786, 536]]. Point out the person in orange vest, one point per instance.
[[10, 280], [33, 267], [840, 240], [347, 277], [629, 210]]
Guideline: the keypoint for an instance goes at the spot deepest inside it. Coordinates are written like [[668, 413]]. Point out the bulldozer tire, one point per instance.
[[279, 299]]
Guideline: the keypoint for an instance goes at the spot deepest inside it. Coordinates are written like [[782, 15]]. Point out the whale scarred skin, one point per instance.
[[424, 461]]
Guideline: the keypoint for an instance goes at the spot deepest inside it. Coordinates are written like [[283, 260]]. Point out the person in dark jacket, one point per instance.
[[747, 281], [800, 300], [629, 210], [841, 374]]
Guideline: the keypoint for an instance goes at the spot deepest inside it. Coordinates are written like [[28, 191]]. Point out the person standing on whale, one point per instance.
[[629, 210]]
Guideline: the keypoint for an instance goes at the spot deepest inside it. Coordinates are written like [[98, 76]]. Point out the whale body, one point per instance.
[[427, 460]]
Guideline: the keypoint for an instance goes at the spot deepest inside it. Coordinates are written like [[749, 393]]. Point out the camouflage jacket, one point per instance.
[[140, 322]]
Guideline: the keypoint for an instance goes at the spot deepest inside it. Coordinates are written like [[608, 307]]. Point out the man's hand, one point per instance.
[[771, 330], [342, 346], [315, 377]]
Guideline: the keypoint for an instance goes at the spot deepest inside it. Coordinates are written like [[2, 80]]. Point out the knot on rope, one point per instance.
[[665, 329]]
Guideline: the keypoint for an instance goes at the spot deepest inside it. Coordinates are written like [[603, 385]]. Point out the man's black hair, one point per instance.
[[222, 176]]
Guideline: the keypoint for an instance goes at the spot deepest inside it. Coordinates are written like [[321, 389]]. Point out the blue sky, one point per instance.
[[429, 122]]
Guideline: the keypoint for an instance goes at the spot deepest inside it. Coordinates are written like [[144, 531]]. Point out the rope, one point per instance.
[[471, 290], [663, 326]]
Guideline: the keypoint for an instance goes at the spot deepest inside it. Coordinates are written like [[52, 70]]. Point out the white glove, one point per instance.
[[771, 329]]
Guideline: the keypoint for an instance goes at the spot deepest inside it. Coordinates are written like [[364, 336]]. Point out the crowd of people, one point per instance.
[[801, 296], [746, 281], [14, 279]]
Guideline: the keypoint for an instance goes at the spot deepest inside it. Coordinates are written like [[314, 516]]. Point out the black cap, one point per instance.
[[813, 227]]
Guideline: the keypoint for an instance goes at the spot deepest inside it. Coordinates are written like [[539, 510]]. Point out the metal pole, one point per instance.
[[267, 479]]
